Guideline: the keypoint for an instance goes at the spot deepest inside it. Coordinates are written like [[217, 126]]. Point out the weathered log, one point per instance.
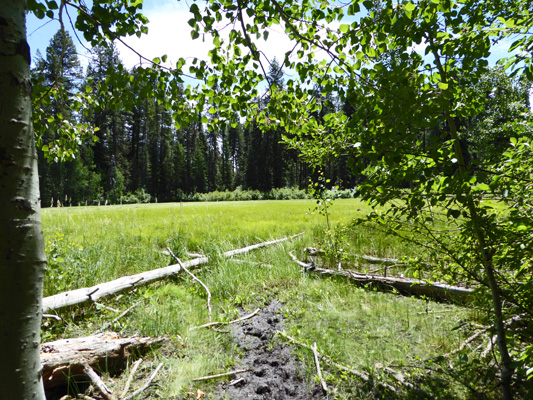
[[96, 292], [436, 291], [67, 358]]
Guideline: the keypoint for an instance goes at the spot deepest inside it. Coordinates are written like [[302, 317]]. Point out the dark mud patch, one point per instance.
[[274, 373]]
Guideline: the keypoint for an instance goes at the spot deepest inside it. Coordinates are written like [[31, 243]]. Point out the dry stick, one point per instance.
[[300, 263], [489, 347], [130, 377], [467, 342], [106, 307], [230, 322], [205, 378], [236, 382], [106, 393], [318, 371], [361, 375], [195, 255], [107, 325], [145, 386], [56, 317], [507, 323], [197, 280]]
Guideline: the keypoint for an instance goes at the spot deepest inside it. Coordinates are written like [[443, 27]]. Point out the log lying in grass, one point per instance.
[[436, 291], [96, 292], [67, 358]]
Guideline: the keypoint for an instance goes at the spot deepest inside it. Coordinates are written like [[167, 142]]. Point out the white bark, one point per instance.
[[22, 258]]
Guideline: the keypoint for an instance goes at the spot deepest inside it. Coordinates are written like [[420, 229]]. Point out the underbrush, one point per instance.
[[360, 328]]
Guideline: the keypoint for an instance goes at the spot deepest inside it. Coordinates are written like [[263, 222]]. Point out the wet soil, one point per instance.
[[274, 372]]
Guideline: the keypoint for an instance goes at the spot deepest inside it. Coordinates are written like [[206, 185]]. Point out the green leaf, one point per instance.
[[409, 7], [344, 28], [443, 86]]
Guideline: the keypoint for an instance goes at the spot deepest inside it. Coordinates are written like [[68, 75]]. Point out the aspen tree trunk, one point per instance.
[[22, 258]]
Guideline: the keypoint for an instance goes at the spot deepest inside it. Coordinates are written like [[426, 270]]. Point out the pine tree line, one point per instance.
[[139, 155]]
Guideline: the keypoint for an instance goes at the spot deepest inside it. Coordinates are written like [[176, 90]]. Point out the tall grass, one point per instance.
[[88, 245]]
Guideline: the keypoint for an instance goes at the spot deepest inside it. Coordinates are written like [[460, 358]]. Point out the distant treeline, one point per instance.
[[238, 194], [140, 156]]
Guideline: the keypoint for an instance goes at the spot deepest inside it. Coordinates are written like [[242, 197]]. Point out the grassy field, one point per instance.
[[360, 328]]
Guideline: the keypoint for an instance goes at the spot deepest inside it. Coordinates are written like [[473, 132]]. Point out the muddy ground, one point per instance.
[[274, 371]]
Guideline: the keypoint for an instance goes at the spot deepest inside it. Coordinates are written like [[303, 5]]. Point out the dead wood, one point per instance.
[[68, 357], [130, 377], [197, 280], [56, 317], [437, 291], [110, 324], [507, 323], [318, 370], [98, 383], [96, 292], [146, 385], [211, 324], [205, 378]]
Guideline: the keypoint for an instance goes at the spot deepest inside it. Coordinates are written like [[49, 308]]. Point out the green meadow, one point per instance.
[[357, 327]]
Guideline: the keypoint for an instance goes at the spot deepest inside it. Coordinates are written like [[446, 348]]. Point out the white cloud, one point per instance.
[[169, 33]]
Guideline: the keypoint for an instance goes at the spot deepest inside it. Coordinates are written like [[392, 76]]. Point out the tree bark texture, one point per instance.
[[67, 358], [22, 257], [436, 291]]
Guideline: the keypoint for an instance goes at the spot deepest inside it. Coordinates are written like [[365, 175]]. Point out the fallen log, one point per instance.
[[96, 292], [69, 358], [436, 291]]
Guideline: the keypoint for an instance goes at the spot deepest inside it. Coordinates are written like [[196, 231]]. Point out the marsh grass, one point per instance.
[[357, 327]]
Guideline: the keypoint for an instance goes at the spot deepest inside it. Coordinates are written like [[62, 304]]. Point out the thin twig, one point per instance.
[[109, 324], [230, 322], [318, 371], [106, 393], [489, 347], [145, 386], [507, 323], [197, 280], [105, 307], [130, 377], [56, 317], [205, 378]]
